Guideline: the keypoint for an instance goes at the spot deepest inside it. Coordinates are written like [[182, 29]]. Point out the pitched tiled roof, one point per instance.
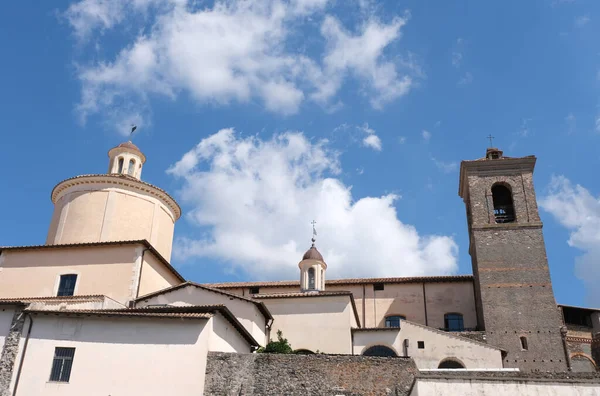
[[348, 281], [261, 306], [110, 243], [101, 312], [354, 329]]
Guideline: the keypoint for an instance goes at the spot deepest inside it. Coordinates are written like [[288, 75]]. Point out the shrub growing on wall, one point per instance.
[[280, 346]]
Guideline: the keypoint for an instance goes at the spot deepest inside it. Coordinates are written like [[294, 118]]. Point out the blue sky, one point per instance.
[[356, 114]]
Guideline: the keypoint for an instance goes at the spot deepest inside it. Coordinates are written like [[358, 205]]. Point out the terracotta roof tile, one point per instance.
[[92, 312], [348, 281], [56, 298], [313, 254], [304, 294]]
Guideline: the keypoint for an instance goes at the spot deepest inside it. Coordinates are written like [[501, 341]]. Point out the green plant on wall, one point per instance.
[[280, 346]]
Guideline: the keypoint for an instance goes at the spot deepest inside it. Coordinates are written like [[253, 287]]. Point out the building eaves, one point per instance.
[[144, 242], [576, 307], [348, 281], [84, 297], [111, 313], [313, 294], [259, 305]]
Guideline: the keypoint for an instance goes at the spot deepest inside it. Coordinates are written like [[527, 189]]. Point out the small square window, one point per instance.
[[421, 344], [66, 287], [378, 286], [61, 365], [254, 290]]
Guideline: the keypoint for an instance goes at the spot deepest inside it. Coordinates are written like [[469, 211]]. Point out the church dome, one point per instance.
[[313, 254], [129, 145]]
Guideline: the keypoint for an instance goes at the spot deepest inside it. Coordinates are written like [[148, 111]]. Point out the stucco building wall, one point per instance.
[[155, 275], [314, 323], [107, 270], [438, 346], [435, 387], [246, 312], [225, 338], [117, 356], [100, 212]]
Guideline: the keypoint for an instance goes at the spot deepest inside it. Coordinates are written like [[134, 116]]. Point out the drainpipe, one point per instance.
[[137, 292], [563, 335], [364, 321], [23, 354], [425, 305]]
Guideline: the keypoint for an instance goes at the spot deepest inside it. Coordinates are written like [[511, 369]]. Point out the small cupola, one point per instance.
[[493, 153], [126, 159], [312, 268]]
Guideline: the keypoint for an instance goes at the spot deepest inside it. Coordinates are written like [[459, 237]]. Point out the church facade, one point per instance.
[[99, 309]]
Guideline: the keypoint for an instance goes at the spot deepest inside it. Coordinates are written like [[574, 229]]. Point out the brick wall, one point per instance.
[[513, 287], [292, 375]]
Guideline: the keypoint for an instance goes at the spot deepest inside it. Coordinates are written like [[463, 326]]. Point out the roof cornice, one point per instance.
[[493, 167], [117, 180]]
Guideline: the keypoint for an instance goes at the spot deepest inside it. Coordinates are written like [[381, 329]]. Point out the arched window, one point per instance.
[[453, 322], [311, 278], [394, 320], [504, 211], [451, 364], [524, 343], [379, 350], [582, 364], [120, 169], [131, 167]]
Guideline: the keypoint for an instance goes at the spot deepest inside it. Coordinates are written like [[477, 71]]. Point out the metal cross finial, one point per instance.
[[491, 140], [133, 128], [314, 232]]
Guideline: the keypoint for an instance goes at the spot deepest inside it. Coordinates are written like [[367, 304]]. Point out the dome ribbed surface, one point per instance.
[[313, 254]]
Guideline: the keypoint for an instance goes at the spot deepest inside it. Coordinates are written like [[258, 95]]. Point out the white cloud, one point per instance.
[[466, 79], [235, 51], [446, 167], [575, 208], [426, 135], [402, 139], [257, 198], [597, 123], [371, 139], [571, 122], [457, 53], [581, 21]]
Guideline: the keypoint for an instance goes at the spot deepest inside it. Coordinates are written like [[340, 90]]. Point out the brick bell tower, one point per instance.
[[513, 291]]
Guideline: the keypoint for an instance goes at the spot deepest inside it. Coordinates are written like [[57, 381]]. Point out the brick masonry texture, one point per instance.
[[513, 289], [10, 351], [473, 335], [294, 375]]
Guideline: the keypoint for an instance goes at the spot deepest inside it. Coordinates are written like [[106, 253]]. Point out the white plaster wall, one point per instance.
[[245, 311], [99, 212], [226, 338], [107, 270], [314, 323], [117, 356], [435, 387], [6, 316], [155, 275], [438, 346]]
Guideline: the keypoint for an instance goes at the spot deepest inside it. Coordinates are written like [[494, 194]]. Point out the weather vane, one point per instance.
[[314, 232], [133, 128], [491, 140]]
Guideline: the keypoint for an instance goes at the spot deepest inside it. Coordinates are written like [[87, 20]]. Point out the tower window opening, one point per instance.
[[504, 210], [120, 168], [524, 343], [131, 168], [378, 286], [311, 278]]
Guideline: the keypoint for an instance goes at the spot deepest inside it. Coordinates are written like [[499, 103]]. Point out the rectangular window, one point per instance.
[[66, 287], [61, 366], [421, 344], [378, 286], [454, 322], [254, 290]]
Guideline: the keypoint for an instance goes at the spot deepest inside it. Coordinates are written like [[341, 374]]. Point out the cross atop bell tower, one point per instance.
[[513, 291]]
